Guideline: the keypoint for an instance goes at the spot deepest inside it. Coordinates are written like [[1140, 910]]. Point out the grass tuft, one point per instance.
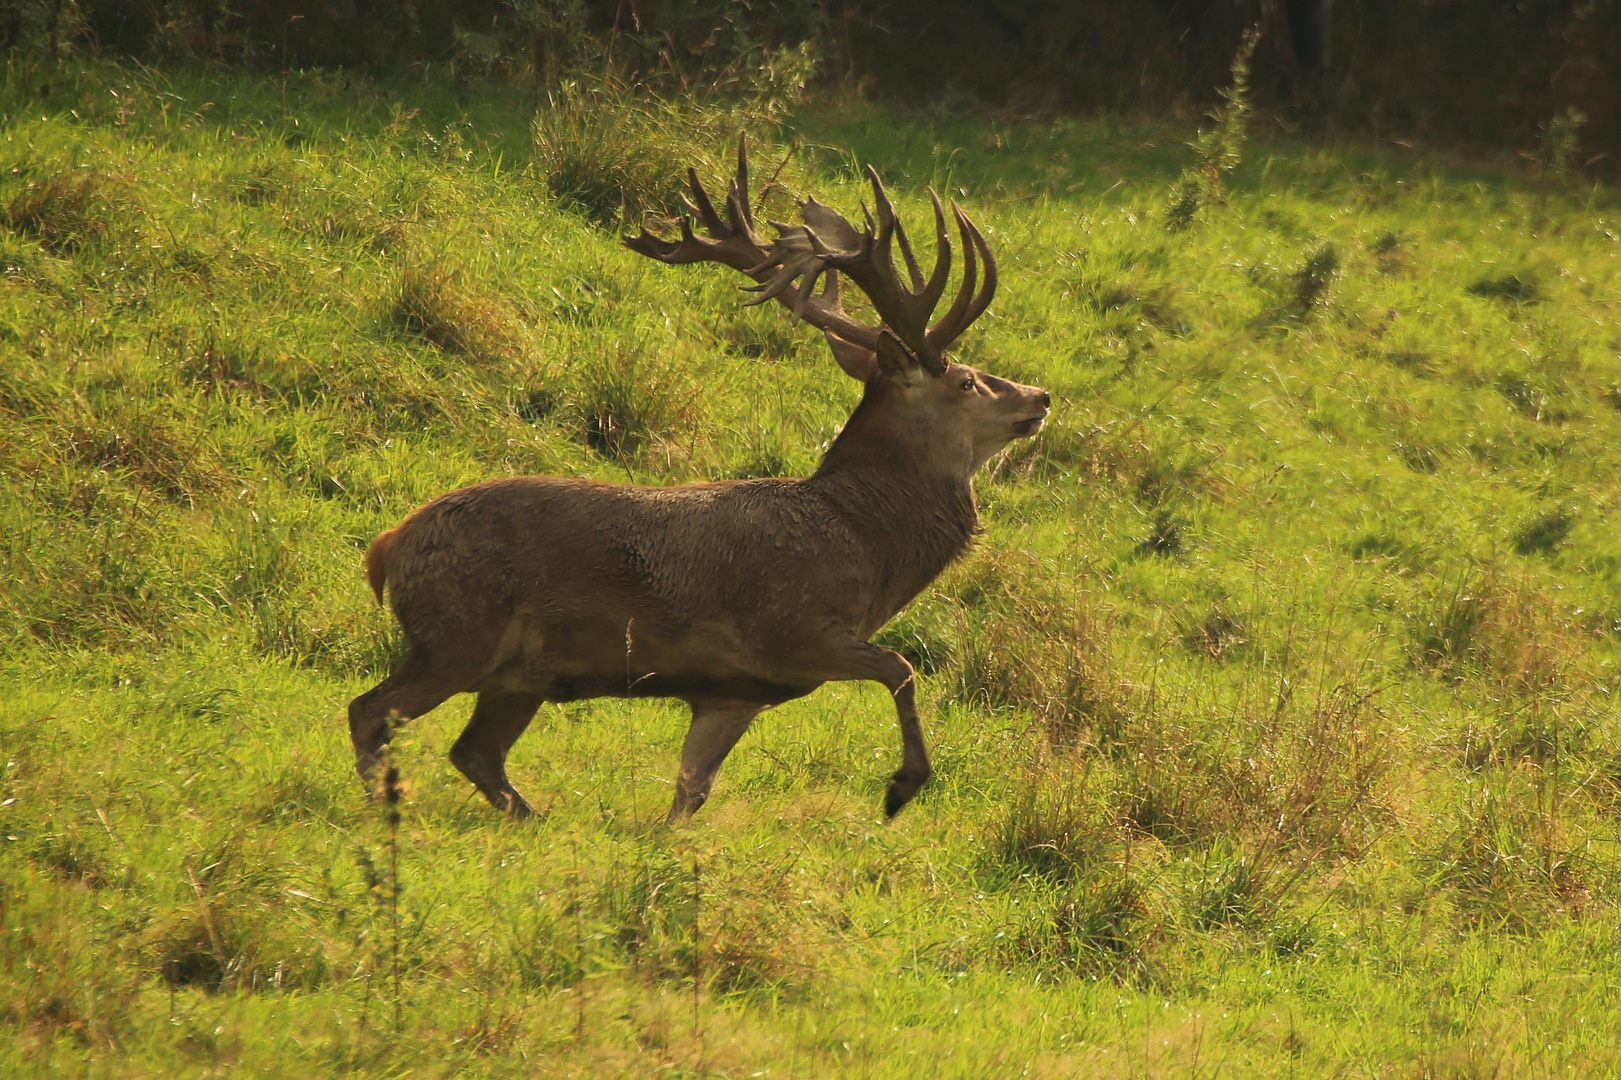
[[1164, 535], [1059, 829], [1508, 633], [630, 410], [1507, 860], [435, 304], [613, 154], [1314, 278], [1024, 646], [151, 446], [1219, 635], [1542, 533], [67, 211], [1098, 927], [236, 934], [73, 859], [1520, 286]]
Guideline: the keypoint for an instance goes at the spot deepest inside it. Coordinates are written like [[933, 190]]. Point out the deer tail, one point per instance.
[[377, 562]]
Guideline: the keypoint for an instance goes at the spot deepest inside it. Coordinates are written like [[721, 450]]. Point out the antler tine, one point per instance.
[[890, 220], [883, 263], [700, 207], [911, 261], [988, 290], [831, 290], [972, 296], [819, 310], [942, 260], [950, 324], [737, 195]]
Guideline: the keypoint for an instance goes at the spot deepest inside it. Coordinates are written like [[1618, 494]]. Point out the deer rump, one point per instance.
[[567, 589]]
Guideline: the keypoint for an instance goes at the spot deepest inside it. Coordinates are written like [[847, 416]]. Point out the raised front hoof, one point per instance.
[[895, 800], [901, 791], [373, 778]]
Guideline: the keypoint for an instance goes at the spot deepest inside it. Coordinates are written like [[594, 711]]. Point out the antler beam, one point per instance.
[[827, 244]]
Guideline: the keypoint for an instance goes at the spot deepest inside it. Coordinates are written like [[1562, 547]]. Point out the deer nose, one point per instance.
[[1046, 400]]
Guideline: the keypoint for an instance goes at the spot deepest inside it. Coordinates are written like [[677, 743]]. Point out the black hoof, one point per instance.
[[897, 797], [901, 790], [894, 802]]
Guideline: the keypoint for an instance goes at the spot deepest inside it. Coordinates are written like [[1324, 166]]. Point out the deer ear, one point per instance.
[[894, 359], [858, 361]]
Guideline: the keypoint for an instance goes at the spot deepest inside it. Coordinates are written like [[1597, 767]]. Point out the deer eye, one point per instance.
[[968, 384]]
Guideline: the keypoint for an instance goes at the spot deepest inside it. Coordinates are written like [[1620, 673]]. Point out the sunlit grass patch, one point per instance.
[[1281, 686]]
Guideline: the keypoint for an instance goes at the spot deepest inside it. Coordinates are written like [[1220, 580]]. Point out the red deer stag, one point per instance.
[[736, 595]]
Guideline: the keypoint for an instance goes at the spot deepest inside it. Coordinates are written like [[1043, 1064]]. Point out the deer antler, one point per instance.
[[828, 244], [736, 243]]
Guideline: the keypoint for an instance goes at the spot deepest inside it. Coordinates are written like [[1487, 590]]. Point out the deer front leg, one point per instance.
[[864, 660], [715, 730], [898, 677]]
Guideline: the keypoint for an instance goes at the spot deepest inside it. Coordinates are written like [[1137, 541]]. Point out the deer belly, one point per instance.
[[567, 659]]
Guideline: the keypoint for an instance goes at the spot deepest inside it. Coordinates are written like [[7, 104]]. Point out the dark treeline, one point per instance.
[[1536, 75]]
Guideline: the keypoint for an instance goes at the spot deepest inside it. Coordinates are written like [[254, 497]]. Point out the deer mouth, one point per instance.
[[1030, 425]]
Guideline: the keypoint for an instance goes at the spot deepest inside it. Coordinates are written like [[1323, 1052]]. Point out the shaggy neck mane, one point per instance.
[[918, 515]]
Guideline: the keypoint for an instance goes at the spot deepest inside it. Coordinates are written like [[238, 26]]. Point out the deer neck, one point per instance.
[[911, 504]]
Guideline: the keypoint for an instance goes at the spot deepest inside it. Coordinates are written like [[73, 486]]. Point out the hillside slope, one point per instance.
[[1276, 713]]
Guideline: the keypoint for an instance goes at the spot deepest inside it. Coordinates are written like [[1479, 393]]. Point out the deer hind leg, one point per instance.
[[715, 730], [481, 752], [416, 687]]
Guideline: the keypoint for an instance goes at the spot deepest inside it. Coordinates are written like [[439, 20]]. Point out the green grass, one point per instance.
[[1275, 717]]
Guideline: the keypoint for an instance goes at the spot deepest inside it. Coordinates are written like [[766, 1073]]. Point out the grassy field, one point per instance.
[[1276, 715]]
